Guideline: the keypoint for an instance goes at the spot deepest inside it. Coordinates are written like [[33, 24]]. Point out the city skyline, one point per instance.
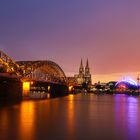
[[105, 32]]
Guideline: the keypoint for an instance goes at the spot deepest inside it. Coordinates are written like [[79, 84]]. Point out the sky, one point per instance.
[[107, 32]]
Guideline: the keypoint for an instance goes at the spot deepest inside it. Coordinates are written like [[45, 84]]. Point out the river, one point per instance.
[[73, 117]]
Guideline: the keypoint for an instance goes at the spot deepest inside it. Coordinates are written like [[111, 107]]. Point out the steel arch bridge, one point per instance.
[[45, 71], [8, 65]]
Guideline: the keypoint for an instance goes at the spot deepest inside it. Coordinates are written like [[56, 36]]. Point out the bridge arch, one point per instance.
[[47, 71], [43, 71]]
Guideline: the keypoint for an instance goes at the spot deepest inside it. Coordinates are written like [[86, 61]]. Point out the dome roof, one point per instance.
[[130, 83]]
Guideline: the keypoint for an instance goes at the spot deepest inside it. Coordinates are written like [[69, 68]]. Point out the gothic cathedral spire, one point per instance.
[[87, 64], [87, 70], [84, 76], [81, 69]]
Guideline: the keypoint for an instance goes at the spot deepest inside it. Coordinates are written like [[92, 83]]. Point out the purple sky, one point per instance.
[[105, 31]]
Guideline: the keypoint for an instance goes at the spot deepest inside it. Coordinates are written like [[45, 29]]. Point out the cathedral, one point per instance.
[[84, 75]]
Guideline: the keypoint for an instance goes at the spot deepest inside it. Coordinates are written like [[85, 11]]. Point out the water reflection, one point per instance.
[[132, 117], [74, 117], [3, 123], [127, 114], [27, 118], [70, 116]]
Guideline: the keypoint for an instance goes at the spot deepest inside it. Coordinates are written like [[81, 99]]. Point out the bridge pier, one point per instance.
[[41, 71], [58, 90], [10, 89], [53, 89]]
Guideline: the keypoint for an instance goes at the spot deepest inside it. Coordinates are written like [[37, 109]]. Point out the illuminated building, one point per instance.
[[80, 76], [72, 81], [87, 75], [127, 84], [84, 75]]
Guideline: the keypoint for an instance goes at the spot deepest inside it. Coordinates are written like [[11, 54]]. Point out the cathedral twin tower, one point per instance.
[[84, 75]]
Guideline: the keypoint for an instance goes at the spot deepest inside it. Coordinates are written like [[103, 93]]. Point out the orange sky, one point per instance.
[[107, 32], [111, 77]]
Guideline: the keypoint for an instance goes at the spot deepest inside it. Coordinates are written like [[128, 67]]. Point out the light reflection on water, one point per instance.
[[74, 117], [70, 115], [127, 115], [133, 117], [27, 118]]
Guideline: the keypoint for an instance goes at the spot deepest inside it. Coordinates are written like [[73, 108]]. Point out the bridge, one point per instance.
[[42, 73], [47, 71]]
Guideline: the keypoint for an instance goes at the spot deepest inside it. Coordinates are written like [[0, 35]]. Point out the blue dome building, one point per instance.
[[127, 84]]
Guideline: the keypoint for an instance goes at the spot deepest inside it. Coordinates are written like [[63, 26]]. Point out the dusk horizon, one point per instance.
[[99, 77], [107, 33]]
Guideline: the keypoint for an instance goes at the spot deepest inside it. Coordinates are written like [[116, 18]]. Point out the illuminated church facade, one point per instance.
[[84, 75]]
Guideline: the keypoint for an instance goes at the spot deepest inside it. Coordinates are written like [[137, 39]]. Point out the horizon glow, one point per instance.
[[105, 32]]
